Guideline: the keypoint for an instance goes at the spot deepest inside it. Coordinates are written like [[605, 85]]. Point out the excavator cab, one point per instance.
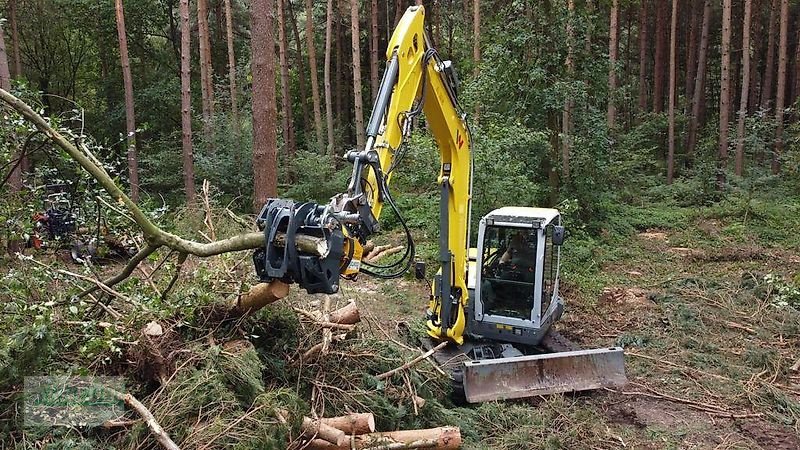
[[514, 280]]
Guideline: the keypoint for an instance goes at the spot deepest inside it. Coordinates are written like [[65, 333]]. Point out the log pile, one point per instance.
[[357, 431]]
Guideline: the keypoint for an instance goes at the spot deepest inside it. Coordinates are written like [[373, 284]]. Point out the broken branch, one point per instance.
[[413, 362]]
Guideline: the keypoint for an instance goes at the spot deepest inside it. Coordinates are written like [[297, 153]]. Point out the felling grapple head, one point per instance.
[[303, 245]]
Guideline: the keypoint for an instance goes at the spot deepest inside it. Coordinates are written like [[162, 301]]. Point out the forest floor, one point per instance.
[[705, 302]]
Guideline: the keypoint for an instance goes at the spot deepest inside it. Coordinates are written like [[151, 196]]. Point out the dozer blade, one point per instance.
[[527, 376]]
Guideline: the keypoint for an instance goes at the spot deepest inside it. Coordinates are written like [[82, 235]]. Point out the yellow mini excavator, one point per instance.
[[496, 303]]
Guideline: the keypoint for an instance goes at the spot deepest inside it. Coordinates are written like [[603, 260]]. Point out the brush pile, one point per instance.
[[296, 377]]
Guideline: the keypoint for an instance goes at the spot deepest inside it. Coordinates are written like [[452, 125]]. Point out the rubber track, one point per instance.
[[555, 342]]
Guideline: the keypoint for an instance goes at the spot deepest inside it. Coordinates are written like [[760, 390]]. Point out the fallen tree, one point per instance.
[[154, 236]]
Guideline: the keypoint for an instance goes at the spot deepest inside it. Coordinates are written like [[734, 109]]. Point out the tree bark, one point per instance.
[[319, 429], [286, 100], [743, 100], [301, 72], [725, 87], [328, 92], [699, 84], [661, 56], [643, 46], [5, 74], [265, 152], [613, 51], [569, 104], [259, 296], [186, 103], [12, 12], [232, 70], [357, 94], [672, 83], [373, 50], [691, 52], [357, 423], [312, 64], [206, 72], [769, 67], [347, 315], [130, 117], [781, 94], [442, 438]]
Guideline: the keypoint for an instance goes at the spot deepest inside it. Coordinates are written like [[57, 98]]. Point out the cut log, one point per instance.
[[442, 438], [347, 314], [358, 423], [368, 247], [305, 243], [259, 296], [312, 428], [377, 255]]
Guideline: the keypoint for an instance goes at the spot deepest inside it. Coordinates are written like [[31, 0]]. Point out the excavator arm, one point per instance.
[[330, 238]]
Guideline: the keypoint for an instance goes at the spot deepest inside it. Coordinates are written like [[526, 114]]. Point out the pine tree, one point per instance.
[[357, 95], [130, 117], [265, 145], [743, 100], [232, 69], [186, 103]]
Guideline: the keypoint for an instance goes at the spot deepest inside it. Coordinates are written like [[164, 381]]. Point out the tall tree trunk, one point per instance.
[[186, 103], [755, 57], [130, 117], [301, 72], [699, 84], [781, 94], [643, 46], [286, 100], [566, 119], [613, 51], [662, 38], [743, 101], [340, 80], [312, 66], [232, 70], [265, 145], [357, 95], [15, 177], [12, 12], [725, 88], [206, 71], [476, 48], [769, 67], [328, 92], [691, 51], [373, 50], [672, 83]]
